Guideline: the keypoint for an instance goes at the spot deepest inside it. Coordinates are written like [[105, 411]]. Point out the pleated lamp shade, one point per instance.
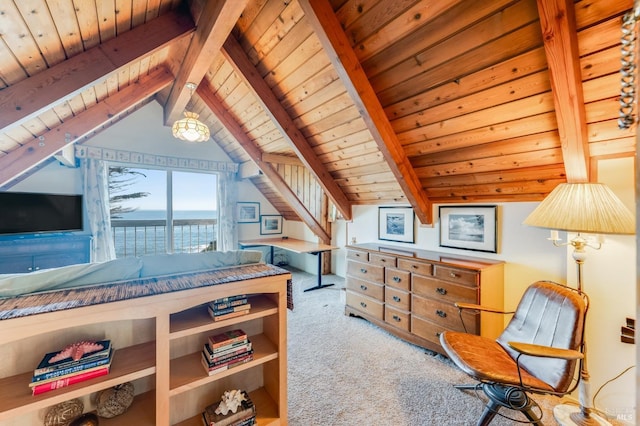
[[591, 208]]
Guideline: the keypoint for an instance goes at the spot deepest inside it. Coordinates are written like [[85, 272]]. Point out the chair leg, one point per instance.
[[533, 418], [503, 396], [490, 411], [509, 397], [468, 387]]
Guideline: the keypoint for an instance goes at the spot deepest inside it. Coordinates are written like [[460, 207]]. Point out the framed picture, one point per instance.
[[248, 212], [396, 224], [270, 224], [469, 228]]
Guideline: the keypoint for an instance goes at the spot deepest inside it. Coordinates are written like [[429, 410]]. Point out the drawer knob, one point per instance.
[[383, 260], [363, 287], [441, 314], [397, 279], [396, 298], [363, 270], [396, 318], [414, 266], [364, 305], [453, 275], [438, 334], [441, 291]]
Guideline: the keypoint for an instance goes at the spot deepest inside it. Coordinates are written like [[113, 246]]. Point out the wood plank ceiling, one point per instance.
[[355, 101]]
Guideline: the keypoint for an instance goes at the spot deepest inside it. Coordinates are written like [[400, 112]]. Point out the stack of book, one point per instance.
[[226, 350], [229, 307], [245, 415], [74, 364]]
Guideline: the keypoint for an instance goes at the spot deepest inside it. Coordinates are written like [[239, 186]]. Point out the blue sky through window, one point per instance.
[[191, 191]]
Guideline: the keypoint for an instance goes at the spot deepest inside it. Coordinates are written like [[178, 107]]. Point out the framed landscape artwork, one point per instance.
[[396, 224], [270, 224], [469, 228], [248, 212]]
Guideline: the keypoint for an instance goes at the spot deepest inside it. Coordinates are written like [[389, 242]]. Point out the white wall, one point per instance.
[[53, 178], [251, 231], [609, 277], [144, 131], [525, 250]]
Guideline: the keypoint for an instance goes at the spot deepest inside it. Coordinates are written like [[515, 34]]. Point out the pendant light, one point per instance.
[[189, 128]]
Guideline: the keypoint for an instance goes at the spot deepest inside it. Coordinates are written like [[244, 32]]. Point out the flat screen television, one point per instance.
[[25, 212]]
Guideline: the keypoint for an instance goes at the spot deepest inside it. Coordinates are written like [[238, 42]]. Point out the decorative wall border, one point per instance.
[[132, 157]]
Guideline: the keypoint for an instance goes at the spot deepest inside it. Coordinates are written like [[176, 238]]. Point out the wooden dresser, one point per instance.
[[411, 293]]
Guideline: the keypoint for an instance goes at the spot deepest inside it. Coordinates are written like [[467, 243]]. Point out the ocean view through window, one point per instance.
[[148, 200]]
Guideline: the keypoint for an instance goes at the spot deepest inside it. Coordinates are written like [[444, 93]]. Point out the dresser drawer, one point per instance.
[[443, 314], [365, 271], [373, 290], [382, 259], [427, 330], [415, 267], [458, 276], [362, 256], [443, 290], [365, 304], [397, 278], [397, 298], [397, 318]]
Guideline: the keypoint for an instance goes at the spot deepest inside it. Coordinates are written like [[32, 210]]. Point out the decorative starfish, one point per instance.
[[76, 351]]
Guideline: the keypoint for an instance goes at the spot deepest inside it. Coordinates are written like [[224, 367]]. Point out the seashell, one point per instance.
[[231, 400], [114, 401], [61, 414]]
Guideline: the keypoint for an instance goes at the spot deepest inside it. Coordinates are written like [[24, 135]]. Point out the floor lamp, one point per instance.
[[589, 208]]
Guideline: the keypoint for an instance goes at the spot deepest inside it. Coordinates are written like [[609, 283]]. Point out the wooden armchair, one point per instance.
[[537, 352]]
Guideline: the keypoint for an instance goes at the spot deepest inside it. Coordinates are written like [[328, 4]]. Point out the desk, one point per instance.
[[296, 246]]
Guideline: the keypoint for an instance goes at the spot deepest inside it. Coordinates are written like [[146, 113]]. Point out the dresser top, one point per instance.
[[426, 255]]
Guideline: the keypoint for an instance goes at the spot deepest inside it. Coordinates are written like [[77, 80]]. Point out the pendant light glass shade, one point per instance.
[[190, 129]]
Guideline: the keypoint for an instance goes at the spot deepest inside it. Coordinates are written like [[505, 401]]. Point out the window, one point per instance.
[[153, 210]]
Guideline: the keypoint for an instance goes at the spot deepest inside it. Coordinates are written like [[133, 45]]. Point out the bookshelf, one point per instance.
[[158, 340]]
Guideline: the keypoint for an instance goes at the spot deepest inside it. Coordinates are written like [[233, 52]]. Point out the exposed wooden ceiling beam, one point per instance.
[[208, 97], [281, 118], [558, 22], [28, 98], [281, 159], [38, 150], [322, 18], [214, 25]]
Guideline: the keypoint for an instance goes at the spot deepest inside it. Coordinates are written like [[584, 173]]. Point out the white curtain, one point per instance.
[[96, 200], [226, 202]]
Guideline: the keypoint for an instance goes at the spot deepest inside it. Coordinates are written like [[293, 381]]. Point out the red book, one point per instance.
[[67, 381]]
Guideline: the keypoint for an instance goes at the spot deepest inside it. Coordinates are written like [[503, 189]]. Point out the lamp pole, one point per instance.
[[566, 415]]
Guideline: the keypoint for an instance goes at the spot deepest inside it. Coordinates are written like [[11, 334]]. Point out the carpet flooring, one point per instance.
[[345, 371]]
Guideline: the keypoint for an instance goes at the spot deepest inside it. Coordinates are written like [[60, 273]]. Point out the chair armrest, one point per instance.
[[461, 305], [545, 351]]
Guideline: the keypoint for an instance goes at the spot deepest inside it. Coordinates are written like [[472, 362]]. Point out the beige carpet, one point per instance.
[[345, 371]]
